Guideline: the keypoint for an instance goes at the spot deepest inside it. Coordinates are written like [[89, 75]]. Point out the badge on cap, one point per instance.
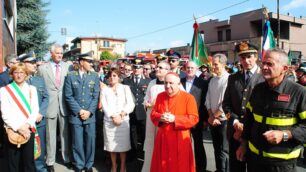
[[283, 98]]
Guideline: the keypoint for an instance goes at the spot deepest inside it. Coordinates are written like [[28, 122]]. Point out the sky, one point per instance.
[[148, 25]]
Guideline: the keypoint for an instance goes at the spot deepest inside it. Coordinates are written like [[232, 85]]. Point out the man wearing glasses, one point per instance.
[[174, 61], [147, 71], [138, 85], [127, 71]]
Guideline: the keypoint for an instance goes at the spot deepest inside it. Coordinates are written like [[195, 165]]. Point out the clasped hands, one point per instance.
[[167, 117], [25, 131], [84, 114], [118, 118]]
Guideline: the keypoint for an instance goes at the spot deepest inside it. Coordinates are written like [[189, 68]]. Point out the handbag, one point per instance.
[[13, 136]]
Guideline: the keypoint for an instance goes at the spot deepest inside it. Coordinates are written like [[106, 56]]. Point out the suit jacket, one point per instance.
[[43, 97], [82, 93], [56, 100], [237, 95], [199, 91], [5, 78], [139, 92]]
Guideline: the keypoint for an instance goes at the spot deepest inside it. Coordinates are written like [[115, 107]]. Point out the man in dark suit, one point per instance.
[[10, 60], [82, 89], [138, 85], [198, 88], [237, 94], [29, 60]]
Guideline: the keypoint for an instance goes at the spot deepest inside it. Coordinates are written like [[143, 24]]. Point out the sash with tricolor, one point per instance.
[[25, 108]]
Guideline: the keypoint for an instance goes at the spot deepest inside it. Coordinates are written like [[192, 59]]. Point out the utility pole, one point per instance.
[[278, 25]]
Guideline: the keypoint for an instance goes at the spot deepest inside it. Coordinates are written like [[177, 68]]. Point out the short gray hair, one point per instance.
[[282, 55], [167, 66], [222, 58], [193, 63], [8, 58], [55, 46]]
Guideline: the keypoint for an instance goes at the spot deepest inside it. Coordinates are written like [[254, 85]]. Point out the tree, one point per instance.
[[32, 32], [106, 55]]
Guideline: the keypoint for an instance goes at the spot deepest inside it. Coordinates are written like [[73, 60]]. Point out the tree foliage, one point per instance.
[[106, 55], [32, 32]]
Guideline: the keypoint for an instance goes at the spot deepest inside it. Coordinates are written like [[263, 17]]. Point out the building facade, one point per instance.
[[97, 45], [7, 29], [222, 36]]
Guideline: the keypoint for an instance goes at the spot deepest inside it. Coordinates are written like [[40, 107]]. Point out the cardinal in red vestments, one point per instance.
[[174, 113]]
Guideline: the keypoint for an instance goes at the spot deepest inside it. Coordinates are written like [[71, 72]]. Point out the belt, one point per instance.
[[275, 121], [285, 156]]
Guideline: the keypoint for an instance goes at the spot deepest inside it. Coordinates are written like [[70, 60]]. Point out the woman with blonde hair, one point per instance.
[[117, 103], [19, 107]]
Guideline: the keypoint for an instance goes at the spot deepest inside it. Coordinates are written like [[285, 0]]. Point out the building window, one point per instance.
[[228, 34], [8, 19], [106, 44], [220, 35]]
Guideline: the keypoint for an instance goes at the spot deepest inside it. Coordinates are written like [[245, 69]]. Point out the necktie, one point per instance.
[[248, 76], [57, 76], [137, 80]]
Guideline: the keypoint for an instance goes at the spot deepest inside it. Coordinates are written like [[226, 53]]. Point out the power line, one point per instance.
[[187, 21]]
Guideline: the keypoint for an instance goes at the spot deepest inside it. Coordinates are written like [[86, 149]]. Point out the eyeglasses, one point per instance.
[[146, 68], [128, 69], [89, 61], [172, 61], [159, 67], [30, 62]]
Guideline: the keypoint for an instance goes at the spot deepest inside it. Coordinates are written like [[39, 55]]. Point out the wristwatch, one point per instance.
[[285, 136]]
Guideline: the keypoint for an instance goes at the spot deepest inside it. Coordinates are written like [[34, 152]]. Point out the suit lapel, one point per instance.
[[193, 86], [184, 83]]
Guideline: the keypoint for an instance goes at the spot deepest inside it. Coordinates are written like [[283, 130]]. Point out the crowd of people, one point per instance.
[[155, 113]]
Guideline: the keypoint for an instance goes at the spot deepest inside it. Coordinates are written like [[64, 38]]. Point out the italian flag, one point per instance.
[[268, 39], [198, 51]]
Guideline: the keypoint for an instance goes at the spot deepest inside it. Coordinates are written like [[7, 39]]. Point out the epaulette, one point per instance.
[[73, 73]]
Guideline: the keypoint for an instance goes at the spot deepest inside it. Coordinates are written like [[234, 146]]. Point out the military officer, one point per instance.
[[237, 94], [82, 90], [29, 60], [174, 61], [138, 85]]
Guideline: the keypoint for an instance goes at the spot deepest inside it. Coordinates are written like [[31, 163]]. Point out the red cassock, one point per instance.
[[172, 148]]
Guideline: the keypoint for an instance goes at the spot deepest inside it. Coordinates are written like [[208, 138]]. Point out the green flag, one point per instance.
[[198, 51]]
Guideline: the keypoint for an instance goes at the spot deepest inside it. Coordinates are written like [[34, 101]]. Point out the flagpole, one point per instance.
[[278, 24]]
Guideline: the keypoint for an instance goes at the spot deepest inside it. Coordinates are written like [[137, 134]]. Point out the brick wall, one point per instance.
[[7, 44]]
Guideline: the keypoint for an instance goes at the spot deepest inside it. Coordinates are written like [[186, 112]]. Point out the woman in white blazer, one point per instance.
[[117, 103], [20, 118]]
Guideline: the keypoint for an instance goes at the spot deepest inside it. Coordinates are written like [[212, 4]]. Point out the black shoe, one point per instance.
[[77, 170], [88, 170], [69, 165], [50, 168]]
